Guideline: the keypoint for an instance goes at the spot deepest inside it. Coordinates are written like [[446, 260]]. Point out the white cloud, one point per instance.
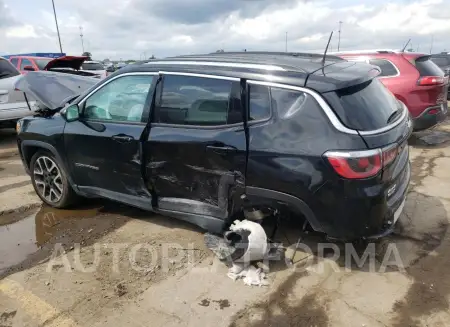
[[126, 29], [25, 31]]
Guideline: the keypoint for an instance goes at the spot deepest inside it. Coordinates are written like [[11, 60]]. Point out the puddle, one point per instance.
[[27, 233]]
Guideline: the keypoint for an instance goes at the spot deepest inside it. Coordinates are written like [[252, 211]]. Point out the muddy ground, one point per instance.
[[105, 264]]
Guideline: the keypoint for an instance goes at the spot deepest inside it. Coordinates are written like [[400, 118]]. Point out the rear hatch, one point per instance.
[[432, 84], [383, 123]]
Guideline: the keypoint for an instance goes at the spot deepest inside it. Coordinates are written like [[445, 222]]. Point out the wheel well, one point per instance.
[[29, 152]]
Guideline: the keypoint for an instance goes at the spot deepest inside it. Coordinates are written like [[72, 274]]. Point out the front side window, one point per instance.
[[25, 62], [188, 100], [122, 100], [386, 67]]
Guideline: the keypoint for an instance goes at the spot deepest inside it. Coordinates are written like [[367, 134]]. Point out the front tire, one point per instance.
[[50, 180]]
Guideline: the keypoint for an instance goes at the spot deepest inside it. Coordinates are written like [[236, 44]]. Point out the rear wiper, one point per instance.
[[392, 116]]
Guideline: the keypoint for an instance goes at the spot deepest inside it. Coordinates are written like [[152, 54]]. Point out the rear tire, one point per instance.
[[50, 180]]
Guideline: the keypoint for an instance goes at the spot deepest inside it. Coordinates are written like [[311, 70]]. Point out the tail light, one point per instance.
[[431, 80], [361, 164]]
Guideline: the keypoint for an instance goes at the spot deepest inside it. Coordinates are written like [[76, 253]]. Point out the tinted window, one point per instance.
[[259, 102], [41, 63], [366, 106], [15, 61], [25, 62], [7, 69], [187, 100], [123, 99], [426, 67], [92, 66], [387, 68], [441, 61], [286, 102]]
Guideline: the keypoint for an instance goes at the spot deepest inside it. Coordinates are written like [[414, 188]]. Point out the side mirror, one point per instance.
[[71, 113], [29, 68]]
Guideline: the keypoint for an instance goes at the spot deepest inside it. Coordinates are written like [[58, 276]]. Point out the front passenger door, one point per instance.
[[103, 147]]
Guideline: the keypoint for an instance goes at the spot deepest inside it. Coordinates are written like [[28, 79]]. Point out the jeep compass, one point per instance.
[[209, 138]]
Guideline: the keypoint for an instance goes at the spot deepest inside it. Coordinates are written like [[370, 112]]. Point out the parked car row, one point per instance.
[[208, 138]]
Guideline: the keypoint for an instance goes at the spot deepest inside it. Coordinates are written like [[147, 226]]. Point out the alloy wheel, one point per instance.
[[48, 180]]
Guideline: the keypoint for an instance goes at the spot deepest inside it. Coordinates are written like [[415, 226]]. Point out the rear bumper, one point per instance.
[[365, 211], [427, 120]]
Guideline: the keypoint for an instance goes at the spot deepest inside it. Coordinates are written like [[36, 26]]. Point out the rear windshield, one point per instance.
[[367, 106], [426, 67], [92, 66]]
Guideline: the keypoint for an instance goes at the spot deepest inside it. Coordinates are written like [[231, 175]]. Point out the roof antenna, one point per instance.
[[326, 49], [404, 48]]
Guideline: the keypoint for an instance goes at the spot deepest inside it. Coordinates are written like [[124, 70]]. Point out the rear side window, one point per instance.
[[367, 106], [259, 102], [426, 67], [7, 69], [387, 68], [188, 100]]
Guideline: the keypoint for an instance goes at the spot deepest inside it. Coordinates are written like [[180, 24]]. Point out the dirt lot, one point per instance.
[[104, 264]]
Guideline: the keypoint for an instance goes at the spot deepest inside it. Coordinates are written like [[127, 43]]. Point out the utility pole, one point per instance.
[[57, 28], [432, 41], [285, 47], [81, 36], [339, 40]]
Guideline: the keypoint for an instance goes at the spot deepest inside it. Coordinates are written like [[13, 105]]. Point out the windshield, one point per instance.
[[92, 66], [42, 62], [367, 106]]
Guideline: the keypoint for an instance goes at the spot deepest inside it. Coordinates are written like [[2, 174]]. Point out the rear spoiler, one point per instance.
[[341, 75]]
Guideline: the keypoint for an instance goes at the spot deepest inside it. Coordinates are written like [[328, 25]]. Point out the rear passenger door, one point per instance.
[[196, 148]]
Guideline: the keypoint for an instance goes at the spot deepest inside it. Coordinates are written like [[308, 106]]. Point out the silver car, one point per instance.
[[13, 105]]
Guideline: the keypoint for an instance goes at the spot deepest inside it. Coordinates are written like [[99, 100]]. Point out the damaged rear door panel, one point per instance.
[[196, 148]]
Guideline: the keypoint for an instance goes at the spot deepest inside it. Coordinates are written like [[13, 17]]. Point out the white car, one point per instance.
[[13, 104], [94, 67]]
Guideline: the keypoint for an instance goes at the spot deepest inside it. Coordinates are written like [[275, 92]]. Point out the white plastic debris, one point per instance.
[[257, 240], [250, 275]]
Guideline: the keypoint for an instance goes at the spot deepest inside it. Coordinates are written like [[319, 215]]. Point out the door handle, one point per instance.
[[3, 92], [222, 150], [122, 138]]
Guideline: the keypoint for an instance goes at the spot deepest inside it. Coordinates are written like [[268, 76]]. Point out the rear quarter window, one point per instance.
[[427, 67], [367, 106], [7, 69]]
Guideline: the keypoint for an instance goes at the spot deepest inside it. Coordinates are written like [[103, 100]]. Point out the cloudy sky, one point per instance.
[[131, 28]]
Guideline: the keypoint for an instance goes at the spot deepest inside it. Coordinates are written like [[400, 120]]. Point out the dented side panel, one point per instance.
[[189, 173]]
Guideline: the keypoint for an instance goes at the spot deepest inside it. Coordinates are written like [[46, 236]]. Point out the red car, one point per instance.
[[66, 64], [414, 79]]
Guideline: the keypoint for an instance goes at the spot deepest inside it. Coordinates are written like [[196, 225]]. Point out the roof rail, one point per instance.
[[310, 55], [215, 63], [366, 51]]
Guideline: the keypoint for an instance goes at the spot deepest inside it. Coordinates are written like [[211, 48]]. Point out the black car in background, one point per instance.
[[209, 138], [443, 61]]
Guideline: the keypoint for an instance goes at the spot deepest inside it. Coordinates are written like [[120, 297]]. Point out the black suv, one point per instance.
[[211, 138]]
